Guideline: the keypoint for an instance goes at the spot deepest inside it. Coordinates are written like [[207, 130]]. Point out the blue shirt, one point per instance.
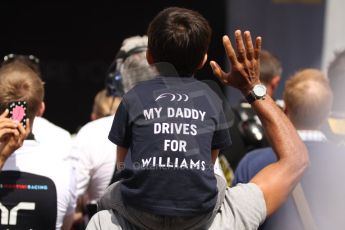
[[170, 125], [321, 182]]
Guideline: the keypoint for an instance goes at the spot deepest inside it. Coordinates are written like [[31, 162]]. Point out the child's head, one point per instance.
[[181, 37]]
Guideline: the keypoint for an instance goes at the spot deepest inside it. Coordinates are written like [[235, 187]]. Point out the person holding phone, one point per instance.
[[12, 136], [45, 130], [34, 177]]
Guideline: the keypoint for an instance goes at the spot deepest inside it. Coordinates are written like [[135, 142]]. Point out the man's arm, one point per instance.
[[277, 179]]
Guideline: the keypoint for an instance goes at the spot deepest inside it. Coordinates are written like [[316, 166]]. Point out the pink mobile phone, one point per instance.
[[18, 111]]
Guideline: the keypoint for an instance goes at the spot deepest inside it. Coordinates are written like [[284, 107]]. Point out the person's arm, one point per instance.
[[120, 134], [214, 155], [68, 222], [277, 179], [121, 153], [12, 135]]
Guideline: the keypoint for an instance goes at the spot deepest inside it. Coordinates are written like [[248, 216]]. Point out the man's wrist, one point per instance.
[[2, 160], [247, 89], [257, 92], [4, 154]]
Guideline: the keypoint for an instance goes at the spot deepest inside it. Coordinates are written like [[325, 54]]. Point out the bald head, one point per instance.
[[308, 99]]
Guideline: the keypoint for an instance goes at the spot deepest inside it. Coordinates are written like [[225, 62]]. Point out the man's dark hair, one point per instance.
[[179, 36]]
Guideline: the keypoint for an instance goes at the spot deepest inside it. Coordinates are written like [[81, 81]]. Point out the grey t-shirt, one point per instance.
[[243, 208]]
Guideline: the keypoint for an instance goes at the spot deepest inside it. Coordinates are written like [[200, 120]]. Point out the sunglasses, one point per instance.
[[31, 61], [11, 57]]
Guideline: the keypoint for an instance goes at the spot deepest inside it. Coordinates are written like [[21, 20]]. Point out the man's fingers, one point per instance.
[[249, 45], [240, 46], [22, 135], [28, 127], [16, 133], [8, 123], [229, 50], [218, 72], [216, 69], [4, 114], [7, 131], [257, 50], [7, 126], [21, 129]]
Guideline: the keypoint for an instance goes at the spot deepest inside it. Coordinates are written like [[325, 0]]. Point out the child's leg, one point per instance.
[[112, 199]]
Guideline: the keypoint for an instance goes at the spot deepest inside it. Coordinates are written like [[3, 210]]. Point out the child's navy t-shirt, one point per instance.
[[170, 125]]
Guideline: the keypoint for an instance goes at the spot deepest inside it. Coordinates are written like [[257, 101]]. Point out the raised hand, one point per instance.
[[245, 71]]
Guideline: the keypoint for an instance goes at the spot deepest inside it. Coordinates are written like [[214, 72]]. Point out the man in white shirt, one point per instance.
[[44, 130], [38, 188]]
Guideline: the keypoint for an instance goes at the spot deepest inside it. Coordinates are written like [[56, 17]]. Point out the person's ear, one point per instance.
[[149, 57], [203, 62], [275, 82], [273, 85], [41, 109], [93, 116]]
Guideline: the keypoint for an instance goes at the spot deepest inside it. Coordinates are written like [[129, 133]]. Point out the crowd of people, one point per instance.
[[149, 157]]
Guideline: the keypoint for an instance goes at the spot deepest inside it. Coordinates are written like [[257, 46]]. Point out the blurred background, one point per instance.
[[76, 42]]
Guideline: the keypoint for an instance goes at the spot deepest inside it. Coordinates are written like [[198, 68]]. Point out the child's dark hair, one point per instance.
[[181, 37]]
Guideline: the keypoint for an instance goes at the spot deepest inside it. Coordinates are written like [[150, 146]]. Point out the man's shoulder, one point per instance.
[[97, 126], [327, 156], [101, 218], [261, 155], [42, 125], [35, 158], [326, 151], [243, 208], [92, 141], [107, 219], [252, 163]]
